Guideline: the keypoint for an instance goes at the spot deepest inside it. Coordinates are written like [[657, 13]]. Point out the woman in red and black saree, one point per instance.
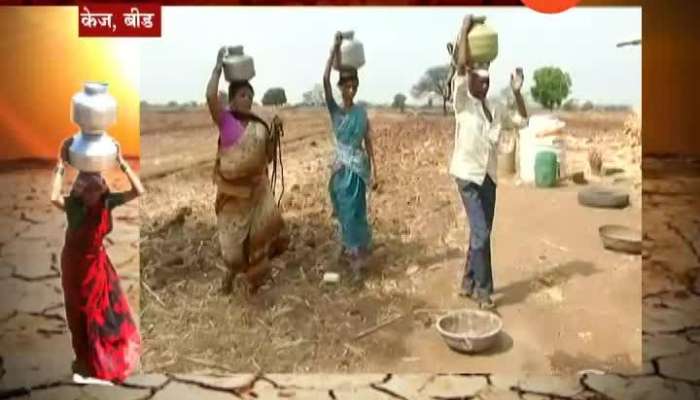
[[105, 338]]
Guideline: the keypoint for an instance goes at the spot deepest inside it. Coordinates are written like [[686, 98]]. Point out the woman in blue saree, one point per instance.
[[353, 166]]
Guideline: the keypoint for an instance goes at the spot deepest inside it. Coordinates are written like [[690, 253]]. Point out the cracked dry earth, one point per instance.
[[34, 360], [34, 341]]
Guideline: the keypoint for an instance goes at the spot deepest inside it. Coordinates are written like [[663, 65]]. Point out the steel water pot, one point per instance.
[[352, 52], [238, 66], [93, 152], [93, 109]]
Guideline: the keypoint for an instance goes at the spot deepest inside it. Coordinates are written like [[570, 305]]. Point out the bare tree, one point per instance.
[[314, 97], [307, 98], [436, 80]]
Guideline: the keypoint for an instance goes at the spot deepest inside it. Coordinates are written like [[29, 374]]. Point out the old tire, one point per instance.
[[603, 197]]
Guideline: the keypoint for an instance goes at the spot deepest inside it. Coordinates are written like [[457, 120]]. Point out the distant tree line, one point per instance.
[[551, 88]]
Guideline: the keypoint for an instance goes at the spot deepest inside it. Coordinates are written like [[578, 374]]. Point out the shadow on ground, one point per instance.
[[517, 292]]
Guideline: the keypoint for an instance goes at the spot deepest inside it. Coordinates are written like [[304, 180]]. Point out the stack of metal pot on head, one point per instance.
[[352, 53], [93, 110]]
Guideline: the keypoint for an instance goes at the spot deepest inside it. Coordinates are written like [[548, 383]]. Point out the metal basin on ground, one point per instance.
[[470, 331], [621, 238]]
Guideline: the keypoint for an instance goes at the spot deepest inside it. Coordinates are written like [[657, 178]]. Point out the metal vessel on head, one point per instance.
[[352, 52], [237, 65], [94, 110]]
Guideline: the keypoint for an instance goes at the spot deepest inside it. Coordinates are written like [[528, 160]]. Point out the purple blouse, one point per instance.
[[230, 129]]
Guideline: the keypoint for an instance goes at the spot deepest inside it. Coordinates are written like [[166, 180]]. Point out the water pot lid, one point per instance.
[[235, 50], [481, 25], [95, 88]]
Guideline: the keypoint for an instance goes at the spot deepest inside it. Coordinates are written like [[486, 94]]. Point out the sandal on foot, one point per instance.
[[486, 303]]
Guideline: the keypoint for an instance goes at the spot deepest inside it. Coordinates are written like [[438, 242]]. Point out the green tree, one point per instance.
[[552, 87], [399, 102], [274, 97], [436, 80]]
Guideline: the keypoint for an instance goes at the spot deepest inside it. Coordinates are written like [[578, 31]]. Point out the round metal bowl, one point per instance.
[[469, 331], [621, 238]]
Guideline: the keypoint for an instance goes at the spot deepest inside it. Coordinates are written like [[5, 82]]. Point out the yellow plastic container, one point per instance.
[[483, 43]]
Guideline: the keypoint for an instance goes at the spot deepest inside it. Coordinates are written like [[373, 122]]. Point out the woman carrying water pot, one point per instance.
[[353, 165], [250, 225], [104, 336]]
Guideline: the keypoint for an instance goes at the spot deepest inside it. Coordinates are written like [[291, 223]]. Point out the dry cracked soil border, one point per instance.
[[671, 334]]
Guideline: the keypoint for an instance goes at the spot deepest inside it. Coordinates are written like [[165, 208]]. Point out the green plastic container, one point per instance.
[[546, 169]]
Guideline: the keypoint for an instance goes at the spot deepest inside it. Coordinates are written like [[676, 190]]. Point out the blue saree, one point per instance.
[[351, 177]]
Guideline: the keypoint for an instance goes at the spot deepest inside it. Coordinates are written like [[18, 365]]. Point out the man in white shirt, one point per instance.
[[474, 163]]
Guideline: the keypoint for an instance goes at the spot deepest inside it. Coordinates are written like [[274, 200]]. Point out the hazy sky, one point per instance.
[[290, 47]]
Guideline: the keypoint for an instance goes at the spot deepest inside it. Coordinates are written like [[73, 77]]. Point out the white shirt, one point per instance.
[[476, 139]]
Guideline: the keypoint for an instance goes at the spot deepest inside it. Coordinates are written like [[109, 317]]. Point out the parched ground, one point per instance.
[[34, 364], [34, 336], [567, 304]]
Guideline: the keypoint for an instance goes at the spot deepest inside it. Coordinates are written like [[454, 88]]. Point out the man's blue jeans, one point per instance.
[[479, 203]]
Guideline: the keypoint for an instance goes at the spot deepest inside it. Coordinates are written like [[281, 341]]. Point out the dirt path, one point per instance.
[[565, 299], [562, 299]]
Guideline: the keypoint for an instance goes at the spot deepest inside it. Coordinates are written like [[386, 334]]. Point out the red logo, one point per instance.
[[550, 6], [119, 20]]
